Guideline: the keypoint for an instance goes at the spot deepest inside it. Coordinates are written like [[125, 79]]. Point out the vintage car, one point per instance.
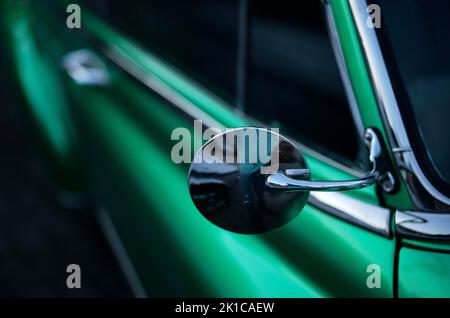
[[360, 89]]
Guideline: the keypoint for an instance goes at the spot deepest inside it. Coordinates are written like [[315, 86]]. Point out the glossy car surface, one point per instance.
[[110, 139]]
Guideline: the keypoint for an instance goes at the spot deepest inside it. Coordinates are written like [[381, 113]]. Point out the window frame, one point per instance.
[[425, 195], [406, 110]]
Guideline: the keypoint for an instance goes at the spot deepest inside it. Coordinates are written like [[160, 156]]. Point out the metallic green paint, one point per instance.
[[180, 253], [124, 134], [41, 82], [199, 96], [423, 273]]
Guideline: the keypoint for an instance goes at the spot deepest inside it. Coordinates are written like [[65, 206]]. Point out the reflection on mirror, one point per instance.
[[228, 174]]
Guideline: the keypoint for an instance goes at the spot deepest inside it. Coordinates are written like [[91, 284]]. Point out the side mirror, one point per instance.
[[253, 180]]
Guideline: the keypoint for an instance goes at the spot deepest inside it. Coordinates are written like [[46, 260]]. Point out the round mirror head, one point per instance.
[[228, 174]]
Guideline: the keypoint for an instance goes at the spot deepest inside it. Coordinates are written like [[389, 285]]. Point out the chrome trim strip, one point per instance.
[[406, 160], [161, 88], [120, 253], [423, 225], [363, 214], [401, 149], [379, 173]]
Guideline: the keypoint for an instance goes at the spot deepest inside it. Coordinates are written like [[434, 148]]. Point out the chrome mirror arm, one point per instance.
[[279, 180], [380, 172], [237, 196]]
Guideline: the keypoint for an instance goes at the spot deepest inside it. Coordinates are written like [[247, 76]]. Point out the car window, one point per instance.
[[198, 36], [421, 50], [293, 79]]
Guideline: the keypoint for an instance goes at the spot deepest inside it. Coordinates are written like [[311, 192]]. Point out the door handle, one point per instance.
[[86, 68]]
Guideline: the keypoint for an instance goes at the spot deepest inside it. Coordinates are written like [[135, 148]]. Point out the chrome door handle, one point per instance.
[[292, 180], [86, 68]]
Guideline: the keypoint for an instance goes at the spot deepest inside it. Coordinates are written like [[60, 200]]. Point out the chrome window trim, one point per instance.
[[415, 180], [126, 265], [368, 216], [161, 88], [425, 225]]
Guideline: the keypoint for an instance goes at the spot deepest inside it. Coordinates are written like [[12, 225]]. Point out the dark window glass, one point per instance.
[[419, 38], [198, 36], [294, 82]]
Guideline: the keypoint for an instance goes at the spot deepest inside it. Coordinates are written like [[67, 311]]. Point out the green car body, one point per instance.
[[113, 142]]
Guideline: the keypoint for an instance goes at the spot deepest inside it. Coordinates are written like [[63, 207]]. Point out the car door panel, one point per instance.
[[124, 130], [423, 273], [175, 223]]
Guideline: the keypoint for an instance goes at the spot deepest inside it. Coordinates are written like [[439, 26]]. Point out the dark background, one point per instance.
[[38, 237]]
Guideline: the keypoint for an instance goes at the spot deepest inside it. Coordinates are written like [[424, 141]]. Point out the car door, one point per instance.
[[134, 73]]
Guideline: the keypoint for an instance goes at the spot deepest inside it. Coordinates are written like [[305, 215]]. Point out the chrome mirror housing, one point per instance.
[[253, 180]]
